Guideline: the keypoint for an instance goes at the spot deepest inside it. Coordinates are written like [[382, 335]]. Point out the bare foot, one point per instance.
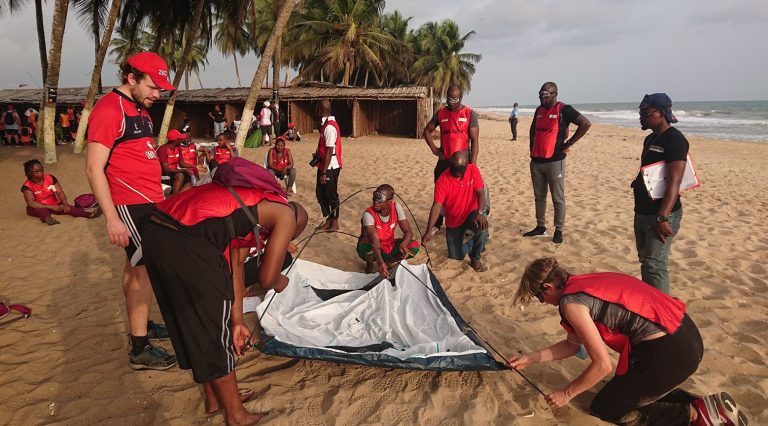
[[333, 226], [246, 419], [50, 221], [370, 267], [324, 226], [477, 266], [212, 406]]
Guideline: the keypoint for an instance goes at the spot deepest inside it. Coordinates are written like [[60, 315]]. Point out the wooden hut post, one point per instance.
[[355, 118]]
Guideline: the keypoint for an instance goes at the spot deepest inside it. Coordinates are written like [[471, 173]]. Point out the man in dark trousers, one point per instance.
[[124, 172], [549, 131], [461, 192], [459, 131], [657, 221], [328, 156]]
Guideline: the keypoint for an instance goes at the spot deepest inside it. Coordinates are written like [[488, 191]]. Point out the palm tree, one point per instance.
[[92, 15], [52, 79], [131, 40], [191, 36], [337, 38], [230, 34], [441, 62], [261, 71], [398, 60], [96, 75]]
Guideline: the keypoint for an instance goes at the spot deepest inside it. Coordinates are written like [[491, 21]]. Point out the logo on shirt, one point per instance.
[[136, 129], [150, 152], [656, 148], [462, 119], [552, 116]]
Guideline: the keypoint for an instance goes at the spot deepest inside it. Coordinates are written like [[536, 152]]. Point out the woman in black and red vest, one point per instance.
[[659, 347], [44, 196], [195, 247]]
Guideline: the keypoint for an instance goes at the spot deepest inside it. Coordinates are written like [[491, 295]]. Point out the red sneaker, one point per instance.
[[718, 410]]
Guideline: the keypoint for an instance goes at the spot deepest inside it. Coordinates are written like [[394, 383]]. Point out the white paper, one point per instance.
[[655, 175]]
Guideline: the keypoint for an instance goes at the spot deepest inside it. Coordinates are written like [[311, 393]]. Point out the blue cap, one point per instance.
[[662, 102]]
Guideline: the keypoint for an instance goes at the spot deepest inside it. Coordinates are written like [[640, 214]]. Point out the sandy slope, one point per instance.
[[68, 363]]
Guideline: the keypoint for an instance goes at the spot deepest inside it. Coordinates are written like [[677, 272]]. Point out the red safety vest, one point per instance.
[[633, 295], [189, 155], [281, 163], [45, 192], [321, 148], [221, 154], [385, 230], [173, 154], [25, 135], [454, 130], [546, 130], [211, 200]]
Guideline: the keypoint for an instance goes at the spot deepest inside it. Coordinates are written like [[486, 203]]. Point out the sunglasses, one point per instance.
[[540, 293], [379, 197], [6, 309], [648, 113], [545, 94], [452, 101]]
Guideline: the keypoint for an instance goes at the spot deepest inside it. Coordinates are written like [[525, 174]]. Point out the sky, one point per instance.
[[595, 50]]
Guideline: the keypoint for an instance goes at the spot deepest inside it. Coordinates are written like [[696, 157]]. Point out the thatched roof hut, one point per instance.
[[359, 111]]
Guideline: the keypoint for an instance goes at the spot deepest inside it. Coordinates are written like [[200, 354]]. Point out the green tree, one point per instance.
[[440, 61], [231, 35], [93, 15]]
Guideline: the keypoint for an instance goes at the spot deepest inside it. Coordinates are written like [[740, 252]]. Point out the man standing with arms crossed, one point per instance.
[[124, 172], [513, 121], [549, 130], [459, 131]]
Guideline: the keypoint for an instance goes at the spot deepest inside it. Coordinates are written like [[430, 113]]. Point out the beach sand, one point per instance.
[[68, 363]]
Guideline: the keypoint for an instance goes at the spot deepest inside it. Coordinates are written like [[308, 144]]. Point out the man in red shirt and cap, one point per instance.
[[124, 172]]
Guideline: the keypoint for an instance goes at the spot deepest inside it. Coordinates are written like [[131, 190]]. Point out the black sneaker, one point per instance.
[[558, 237], [538, 231], [157, 331], [152, 358]]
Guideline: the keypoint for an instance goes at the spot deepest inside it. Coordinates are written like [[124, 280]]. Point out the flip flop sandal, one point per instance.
[[6, 309]]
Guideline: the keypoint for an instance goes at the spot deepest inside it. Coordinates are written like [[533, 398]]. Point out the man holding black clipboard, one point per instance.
[[657, 221]]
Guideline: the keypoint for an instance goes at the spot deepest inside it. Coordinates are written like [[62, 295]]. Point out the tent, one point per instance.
[[406, 321]]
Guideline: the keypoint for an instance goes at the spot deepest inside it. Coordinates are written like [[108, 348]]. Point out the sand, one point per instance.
[[68, 363]]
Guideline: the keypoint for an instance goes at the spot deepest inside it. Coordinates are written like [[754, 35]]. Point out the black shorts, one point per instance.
[[266, 130], [193, 288], [11, 132], [135, 218]]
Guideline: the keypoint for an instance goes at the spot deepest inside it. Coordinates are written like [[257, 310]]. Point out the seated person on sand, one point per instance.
[[186, 249], [178, 175], [377, 244], [461, 193], [659, 347], [44, 196], [292, 134], [224, 151], [280, 163]]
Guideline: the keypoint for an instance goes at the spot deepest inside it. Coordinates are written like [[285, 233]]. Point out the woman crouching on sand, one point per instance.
[[44, 196], [659, 347]]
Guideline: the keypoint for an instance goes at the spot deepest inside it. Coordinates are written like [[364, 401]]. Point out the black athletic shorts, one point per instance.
[[135, 218], [194, 291]]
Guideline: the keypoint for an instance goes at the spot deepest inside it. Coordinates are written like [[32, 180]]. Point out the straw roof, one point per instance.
[[74, 96]]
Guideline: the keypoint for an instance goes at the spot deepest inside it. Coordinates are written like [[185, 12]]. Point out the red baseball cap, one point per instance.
[[154, 66], [175, 135]]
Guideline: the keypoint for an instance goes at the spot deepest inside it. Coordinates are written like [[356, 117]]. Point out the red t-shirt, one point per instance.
[[221, 154], [189, 156], [133, 169], [169, 154], [458, 195]]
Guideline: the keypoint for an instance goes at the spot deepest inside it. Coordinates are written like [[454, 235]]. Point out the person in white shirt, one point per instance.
[[327, 159], [265, 121]]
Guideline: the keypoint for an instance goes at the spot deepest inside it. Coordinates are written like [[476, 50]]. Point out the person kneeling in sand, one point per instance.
[[659, 347], [377, 244], [461, 192], [44, 196], [197, 277]]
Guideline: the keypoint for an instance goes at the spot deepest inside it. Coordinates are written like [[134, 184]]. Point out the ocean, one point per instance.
[[727, 120]]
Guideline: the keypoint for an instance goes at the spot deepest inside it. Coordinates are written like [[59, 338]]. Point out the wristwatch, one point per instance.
[[661, 219]]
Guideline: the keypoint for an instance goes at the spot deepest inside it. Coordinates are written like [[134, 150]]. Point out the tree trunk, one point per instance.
[[237, 70], [52, 79], [41, 38], [96, 43], [347, 72], [181, 68], [197, 74], [277, 59], [261, 71], [366, 79], [186, 80], [96, 76]]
